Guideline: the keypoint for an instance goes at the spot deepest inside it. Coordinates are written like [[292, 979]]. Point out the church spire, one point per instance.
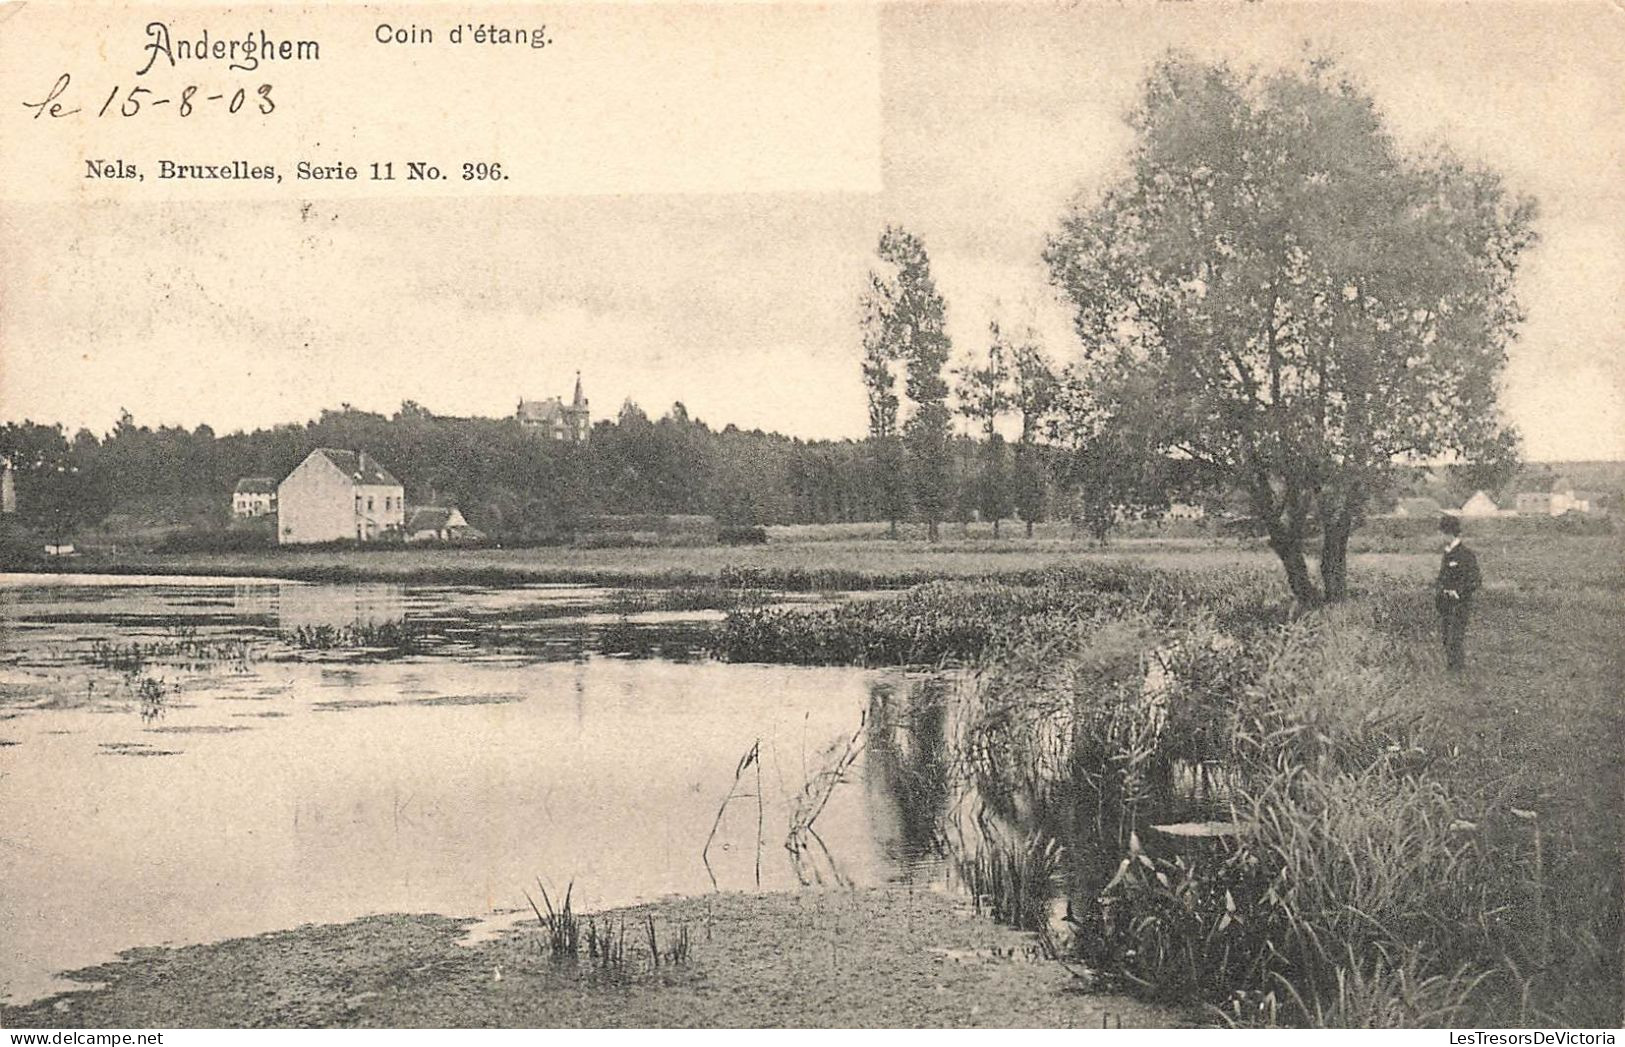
[[580, 400]]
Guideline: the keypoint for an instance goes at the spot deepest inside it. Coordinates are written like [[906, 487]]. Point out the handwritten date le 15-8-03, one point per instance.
[[132, 101]]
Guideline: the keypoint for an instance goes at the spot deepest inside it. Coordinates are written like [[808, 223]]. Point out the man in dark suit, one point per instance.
[[1453, 596]]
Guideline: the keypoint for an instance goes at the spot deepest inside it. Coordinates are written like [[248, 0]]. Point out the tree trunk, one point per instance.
[[893, 527], [931, 532], [1334, 573], [1029, 528], [1334, 555], [1289, 548], [995, 527]]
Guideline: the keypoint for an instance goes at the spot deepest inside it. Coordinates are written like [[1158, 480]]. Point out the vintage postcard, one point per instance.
[[783, 515]]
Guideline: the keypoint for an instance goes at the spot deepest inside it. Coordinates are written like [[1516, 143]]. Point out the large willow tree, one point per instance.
[[1279, 292]]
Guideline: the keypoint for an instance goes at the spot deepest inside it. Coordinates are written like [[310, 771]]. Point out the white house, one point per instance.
[[1553, 500], [254, 496], [339, 495]]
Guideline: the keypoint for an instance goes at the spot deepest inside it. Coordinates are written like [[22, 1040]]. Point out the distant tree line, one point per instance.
[[517, 485]]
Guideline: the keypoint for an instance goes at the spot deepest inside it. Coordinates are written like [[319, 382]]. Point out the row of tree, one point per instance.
[[1065, 452]]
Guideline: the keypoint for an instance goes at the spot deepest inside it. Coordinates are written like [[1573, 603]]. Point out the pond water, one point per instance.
[[185, 760]]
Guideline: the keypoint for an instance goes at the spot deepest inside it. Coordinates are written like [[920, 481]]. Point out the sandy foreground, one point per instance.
[[876, 958]]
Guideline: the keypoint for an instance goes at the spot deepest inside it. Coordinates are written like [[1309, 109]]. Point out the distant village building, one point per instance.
[[337, 495], [1185, 511], [253, 496], [8, 487], [1480, 504], [1553, 499], [432, 523], [554, 419]]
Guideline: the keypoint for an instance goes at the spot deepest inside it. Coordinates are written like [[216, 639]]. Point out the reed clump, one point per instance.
[[960, 622], [392, 636], [596, 945], [182, 647]]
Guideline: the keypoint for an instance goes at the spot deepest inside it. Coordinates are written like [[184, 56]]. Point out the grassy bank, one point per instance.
[[885, 958], [1361, 838], [796, 565]]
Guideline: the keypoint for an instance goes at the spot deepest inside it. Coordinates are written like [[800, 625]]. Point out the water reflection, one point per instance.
[[1031, 808], [906, 777], [296, 605], [288, 786], [292, 786]]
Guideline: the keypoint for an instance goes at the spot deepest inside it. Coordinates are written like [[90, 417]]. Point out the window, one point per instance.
[[369, 503], [358, 503]]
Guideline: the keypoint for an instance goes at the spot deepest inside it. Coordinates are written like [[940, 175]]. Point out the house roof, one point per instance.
[[552, 409], [361, 467], [1543, 483], [547, 410], [256, 485], [428, 518]]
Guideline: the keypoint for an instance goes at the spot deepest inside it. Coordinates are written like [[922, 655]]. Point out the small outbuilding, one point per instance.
[[1480, 504], [433, 523]]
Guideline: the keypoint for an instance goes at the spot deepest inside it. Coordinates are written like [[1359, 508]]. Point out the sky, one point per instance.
[[741, 299]]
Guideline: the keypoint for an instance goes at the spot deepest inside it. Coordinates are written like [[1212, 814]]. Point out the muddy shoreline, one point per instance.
[[892, 957]]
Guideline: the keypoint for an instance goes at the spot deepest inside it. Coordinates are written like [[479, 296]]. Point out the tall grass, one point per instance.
[[1342, 857]]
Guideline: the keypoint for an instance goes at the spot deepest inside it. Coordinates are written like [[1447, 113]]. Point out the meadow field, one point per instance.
[[812, 557], [794, 558]]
